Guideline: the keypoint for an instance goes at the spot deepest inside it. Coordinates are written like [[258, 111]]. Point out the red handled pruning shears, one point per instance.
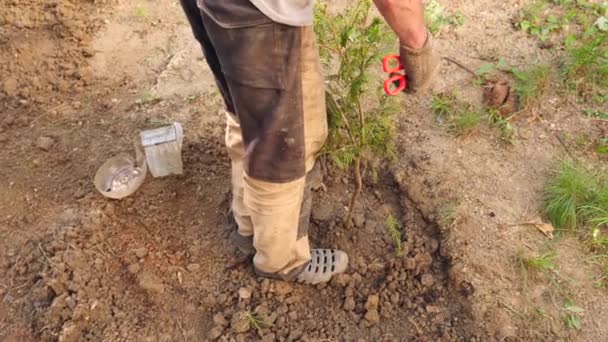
[[397, 81]]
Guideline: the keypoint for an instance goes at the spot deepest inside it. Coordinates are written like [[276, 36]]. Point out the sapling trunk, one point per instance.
[[356, 194]]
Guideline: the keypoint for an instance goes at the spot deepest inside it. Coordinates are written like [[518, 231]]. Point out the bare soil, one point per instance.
[[80, 78]]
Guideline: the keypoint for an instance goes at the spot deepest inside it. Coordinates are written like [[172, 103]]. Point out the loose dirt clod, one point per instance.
[[349, 304], [151, 283], [141, 252], [45, 143], [244, 293], [70, 333], [219, 319]]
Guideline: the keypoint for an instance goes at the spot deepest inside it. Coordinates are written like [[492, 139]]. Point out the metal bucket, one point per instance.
[[163, 150]]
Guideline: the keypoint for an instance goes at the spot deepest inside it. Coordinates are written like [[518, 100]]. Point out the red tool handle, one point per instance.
[[386, 63], [395, 84]]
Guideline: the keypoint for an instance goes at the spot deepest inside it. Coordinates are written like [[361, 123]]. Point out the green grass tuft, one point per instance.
[[571, 189], [542, 262], [531, 84], [586, 66], [447, 214], [465, 122], [394, 231], [255, 322], [575, 197]]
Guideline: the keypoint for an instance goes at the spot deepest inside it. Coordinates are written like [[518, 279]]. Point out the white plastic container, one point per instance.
[[163, 150]]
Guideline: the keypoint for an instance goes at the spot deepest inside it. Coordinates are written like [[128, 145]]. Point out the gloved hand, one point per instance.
[[421, 65]]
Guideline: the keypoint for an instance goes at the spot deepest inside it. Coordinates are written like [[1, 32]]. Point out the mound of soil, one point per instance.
[[44, 48], [99, 274]]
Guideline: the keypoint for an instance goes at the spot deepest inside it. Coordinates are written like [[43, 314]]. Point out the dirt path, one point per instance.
[[75, 266]]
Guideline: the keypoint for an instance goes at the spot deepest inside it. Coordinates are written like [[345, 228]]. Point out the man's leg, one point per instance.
[[274, 77], [243, 238], [200, 33], [233, 139]]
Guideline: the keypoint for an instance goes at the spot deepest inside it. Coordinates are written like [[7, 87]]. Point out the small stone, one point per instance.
[[210, 301], [269, 337], [193, 267], [372, 317], [134, 268], [141, 252], [432, 245], [22, 121], [322, 213], [10, 86], [432, 309], [359, 219], [282, 288], [45, 143], [427, 280], [372, 302], [58, 286], [71, 302], [293, 315], [221, 299], [341, 280], [216, 332], [70, 333], [395, 298], [219, 319], [244, 293], [151, 283], [3, 137], [239, 323], [98, 264], [349, 304], [79, 193]]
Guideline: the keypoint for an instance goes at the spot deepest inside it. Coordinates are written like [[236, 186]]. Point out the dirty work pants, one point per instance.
[[270, 77]]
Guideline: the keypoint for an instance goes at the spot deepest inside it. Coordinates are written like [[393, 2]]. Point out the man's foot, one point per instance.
[[242, 243], [324, 264]]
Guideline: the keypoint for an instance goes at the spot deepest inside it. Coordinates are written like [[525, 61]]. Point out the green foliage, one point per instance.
[[394, 232], [584, 25], [147, 97], [461, 117], [447, 214], [531, 84], [602, 147], [542, 262], [352, 44], [141, 12], [506, 129], [547, 18], [488, 71], [255, 322], [465, 122], [575, 197], [586, 66], [572, 315], [596, 114], [436, 17], [596, 212]]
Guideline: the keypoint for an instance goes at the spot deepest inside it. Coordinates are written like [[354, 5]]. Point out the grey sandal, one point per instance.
[[324, 264]]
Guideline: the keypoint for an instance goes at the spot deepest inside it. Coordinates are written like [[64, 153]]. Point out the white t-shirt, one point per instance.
[[288, 12]]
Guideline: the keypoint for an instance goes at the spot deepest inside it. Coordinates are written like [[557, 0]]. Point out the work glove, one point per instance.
[[421, 65]]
